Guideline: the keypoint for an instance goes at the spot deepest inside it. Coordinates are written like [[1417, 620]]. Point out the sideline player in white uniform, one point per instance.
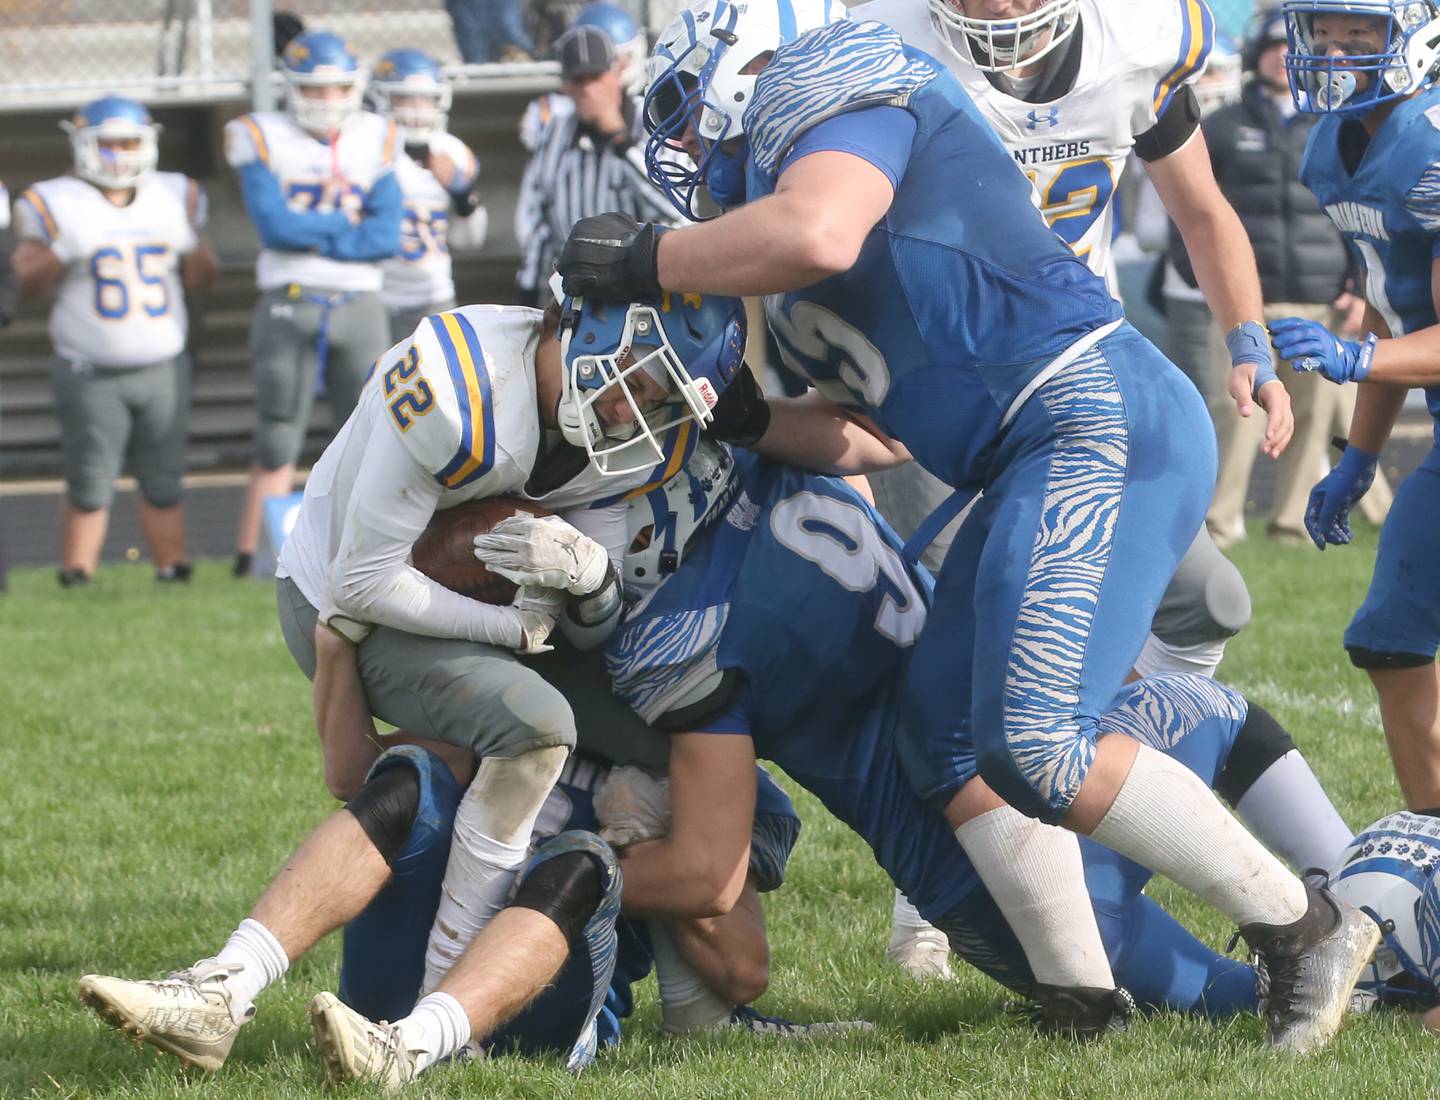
[[320, 186], [459, 412], [437, 173], [119, 243]]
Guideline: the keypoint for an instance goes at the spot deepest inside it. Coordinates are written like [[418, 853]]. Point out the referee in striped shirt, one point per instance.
[[588, 158]]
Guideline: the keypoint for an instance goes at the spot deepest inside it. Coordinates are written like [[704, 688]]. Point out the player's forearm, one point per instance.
[[278, 226], [377, 236], [816, 434], [670, 878], [348, 737], [399, 596], [1224, 263], [37, 268], [1376, 408], [199, 268], [764, 247]]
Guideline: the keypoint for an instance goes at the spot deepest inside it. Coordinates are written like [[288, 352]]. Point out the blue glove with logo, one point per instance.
[[1327, 517], [1310, 346]]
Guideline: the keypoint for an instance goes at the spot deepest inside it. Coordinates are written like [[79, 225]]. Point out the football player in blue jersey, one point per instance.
[[1374, 163], [784, 632], [964, 333]]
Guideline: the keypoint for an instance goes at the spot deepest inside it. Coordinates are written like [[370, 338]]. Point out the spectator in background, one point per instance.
[[437, 173], [489, 30], [587, 155], [1256, 146], [115, 241], [319, 184]]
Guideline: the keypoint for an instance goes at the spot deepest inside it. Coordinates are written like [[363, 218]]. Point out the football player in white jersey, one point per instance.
[[319, 183], [118, 243], [437, 173], [578, 407]]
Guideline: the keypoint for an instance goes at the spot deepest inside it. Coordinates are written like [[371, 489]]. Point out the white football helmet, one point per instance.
[[663, 522], [997, 45], [1384, 872]]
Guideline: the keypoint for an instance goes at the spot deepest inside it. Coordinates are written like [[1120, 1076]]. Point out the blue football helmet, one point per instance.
[[629, 42], [319, 59], [661, 524], [690, 347], [1326, 82], [1387, 872], [100, 122], [411, 77], [697, 79]]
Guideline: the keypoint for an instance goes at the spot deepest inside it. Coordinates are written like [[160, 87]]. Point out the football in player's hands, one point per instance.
[[446, 551]]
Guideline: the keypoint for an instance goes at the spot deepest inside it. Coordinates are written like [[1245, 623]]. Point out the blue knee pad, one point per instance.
[[574, 1015], [1398, 625], [383, 956]]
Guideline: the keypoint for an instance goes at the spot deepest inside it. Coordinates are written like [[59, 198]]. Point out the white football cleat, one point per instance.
[[355, 1049], [922, 952], [187, 1014]]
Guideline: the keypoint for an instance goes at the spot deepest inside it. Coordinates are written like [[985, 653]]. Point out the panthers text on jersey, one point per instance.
[[447, 416], [955, 311], [120, 302], [420, 273], [1129, 58], [316, 176], [1387, 206]]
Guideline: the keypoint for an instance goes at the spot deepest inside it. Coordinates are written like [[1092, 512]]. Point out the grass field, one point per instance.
[[158, 764]]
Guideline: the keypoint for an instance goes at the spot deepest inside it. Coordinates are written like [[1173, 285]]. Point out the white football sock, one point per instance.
[[435, 1029], [1166, 819], [1035, 874], [1289, 810], [1159, 658], [686, 1002], [263, 960], [906, 916], [491, 838]]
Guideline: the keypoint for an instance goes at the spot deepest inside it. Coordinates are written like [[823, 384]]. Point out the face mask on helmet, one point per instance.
[[115, 143], [702, 80], [632, 372], [664, 523], [323, 81], [407, 86], [997, 45], [1347, 56]]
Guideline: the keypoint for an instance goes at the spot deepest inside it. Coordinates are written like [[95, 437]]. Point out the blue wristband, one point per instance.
[[1248, 342]]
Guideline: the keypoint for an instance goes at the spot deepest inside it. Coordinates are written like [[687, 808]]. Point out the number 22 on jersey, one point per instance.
[[407, 394]]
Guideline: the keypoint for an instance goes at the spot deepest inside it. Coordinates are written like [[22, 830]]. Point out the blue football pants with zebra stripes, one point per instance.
[[1096, 487]]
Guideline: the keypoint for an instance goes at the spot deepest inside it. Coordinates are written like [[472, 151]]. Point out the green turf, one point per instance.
[[158, 764]]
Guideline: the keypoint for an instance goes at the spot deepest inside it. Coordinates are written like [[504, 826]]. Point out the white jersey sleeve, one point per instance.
[[244, 142], [34, 220], [4, 206], [1167, 44]]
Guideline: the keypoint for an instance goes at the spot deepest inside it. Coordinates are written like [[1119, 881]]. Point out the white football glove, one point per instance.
[[632, 805], [538, 610], [546, 552]]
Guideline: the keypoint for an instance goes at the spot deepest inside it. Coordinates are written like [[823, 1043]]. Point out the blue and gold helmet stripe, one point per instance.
[[466, 362], [1195, 43]]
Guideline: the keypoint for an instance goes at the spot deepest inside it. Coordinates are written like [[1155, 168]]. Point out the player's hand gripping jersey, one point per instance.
[[1384, 197], [327, 187], [954, 309], [1104, 89], [120, 303], [420, 273]]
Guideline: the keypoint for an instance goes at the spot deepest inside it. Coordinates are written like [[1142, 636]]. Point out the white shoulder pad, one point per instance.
[[1159, 44], [190, 194], [39, 210], [246, 141], [452, 147]]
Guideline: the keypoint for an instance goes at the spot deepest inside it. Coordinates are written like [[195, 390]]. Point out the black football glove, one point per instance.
[[611, 256], [742, 415]]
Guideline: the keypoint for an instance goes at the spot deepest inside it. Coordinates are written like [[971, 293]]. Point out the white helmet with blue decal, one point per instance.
[[1333, 70], [702, 75], [663, 522], [997, 45], [1384, 872]]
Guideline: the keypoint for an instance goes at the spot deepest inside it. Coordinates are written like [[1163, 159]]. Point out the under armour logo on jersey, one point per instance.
[[1035, 118]]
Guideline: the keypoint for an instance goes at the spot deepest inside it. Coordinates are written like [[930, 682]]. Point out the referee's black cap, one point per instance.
[[584, 51]]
